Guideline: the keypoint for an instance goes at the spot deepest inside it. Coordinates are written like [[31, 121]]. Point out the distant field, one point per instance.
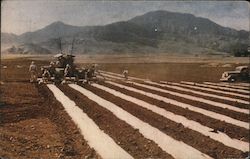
[[140, 58], [158, 58], [196, 72], [170, 68]]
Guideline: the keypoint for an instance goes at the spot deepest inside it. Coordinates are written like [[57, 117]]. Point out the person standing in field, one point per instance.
[[33, 72], [125, 74]]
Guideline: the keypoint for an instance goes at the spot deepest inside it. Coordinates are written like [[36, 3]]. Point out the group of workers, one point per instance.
[[63, 62], [68, 68], [50, 71]]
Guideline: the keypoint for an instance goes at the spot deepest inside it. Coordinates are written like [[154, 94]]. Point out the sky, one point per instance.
[[29, 15]]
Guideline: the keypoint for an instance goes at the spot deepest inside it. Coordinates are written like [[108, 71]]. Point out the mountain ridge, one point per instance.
[[155, 31]]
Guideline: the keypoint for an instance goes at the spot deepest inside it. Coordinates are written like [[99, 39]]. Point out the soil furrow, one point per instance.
[[235, 104], [128, 138], [178, 131], [74, 144], [35, 125], [11, 114], [211, 92], [227, 86], [223, 89], [231, 130], [227, 112], [242, 91]]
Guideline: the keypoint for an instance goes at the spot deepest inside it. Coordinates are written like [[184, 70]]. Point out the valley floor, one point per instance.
[[139, 117]]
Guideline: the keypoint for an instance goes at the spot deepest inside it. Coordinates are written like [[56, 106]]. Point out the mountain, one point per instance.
[[154, 32], [7, 40], [54, 30], [8, 37], [180, 23], [190, 29]]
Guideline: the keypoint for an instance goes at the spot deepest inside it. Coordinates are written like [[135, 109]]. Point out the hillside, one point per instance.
[[191, 30], [7, 40], [154, 32]]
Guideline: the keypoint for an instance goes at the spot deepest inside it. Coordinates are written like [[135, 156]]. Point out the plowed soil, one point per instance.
[[128, 138], [215, 93], [236, 104], [229, 129], [33, 124], [175, 130], [227, 112]]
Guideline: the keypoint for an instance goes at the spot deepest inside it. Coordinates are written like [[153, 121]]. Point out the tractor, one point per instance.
[[63, 70]]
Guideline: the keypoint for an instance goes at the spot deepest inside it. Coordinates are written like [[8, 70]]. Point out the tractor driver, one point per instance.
[[61, 62], [69, 60]]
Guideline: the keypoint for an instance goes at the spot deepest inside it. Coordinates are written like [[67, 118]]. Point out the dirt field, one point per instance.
[[34, 124], [170, 71]]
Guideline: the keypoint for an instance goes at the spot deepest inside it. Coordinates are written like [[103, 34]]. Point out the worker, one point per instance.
[[90, 74], [67, 70], [125, 74], [91, 71], [46, 75], [52, 69], [69, 59], [33, 72]]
